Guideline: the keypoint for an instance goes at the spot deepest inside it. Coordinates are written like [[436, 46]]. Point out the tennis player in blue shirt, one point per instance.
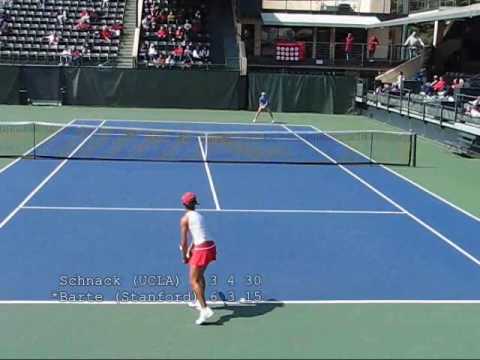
[[263, 105]]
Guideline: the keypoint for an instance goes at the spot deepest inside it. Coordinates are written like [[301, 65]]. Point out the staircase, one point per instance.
[[124, 59]]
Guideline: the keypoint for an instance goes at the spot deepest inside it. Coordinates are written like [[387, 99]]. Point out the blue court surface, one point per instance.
[[109, 230]]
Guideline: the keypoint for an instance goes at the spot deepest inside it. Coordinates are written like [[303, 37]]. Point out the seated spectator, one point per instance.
[[106, 34], [187, 26], [427, 88], [171, 18], [66, 56], [117, 28], [160, 61], [205, 53], [162, 33], [196, 55], [76, 57], [178, 53], [152, 52], [439, 86], [62, 16], [163, 17], [53, 39], [180, 33], [6, 28], [147, 22], [170, 60], [473, 108], [105, 4]]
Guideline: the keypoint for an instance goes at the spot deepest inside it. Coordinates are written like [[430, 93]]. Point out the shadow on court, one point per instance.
[[242, 311]]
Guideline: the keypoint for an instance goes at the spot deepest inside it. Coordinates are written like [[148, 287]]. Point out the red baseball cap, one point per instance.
[[189, 198]]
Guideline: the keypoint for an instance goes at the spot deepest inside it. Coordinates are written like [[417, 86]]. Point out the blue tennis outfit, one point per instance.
[[264, 101]]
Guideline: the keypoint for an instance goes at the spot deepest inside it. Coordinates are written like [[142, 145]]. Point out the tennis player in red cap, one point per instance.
[[198, 254]]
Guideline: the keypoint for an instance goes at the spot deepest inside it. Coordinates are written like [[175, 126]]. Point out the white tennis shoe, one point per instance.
[[194, 305], [205, 314]]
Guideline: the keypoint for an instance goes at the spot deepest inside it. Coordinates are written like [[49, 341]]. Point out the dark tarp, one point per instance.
[[42, 83], [150, 88], [326, 94], [9, 85]]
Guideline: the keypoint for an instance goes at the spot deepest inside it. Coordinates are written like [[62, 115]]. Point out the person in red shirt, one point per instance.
[[162, 33], [178, 52], [440, 85], [106, 34], [348, 46], [372, 44]]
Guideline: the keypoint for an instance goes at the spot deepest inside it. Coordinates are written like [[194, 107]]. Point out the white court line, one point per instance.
[[398, 206], [436, 196], [280, 211], [242, 303], [209, 175], [52, 174], [188, 122], [36, 146]]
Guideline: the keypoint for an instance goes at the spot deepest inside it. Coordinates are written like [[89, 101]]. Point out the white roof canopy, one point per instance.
[[434, 15], [319, 20], [367, 22]]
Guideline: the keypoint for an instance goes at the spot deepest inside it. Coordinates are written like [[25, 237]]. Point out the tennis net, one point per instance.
[[90, 142]]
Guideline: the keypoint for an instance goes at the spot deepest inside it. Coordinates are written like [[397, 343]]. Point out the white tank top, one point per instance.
[[196, 225]]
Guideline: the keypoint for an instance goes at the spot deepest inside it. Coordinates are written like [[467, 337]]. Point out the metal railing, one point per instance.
[[333, 6], [426, 5], [455, 109], [324, 53]]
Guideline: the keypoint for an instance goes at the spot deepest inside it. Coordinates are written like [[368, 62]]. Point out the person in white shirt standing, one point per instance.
[[198, 254]]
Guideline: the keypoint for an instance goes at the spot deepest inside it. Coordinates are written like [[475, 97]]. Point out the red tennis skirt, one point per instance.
[[203, 254]]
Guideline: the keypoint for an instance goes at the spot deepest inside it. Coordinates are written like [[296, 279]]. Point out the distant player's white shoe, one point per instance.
[[194, 305], [205, 314]]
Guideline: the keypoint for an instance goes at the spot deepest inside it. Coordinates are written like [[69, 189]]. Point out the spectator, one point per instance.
[[152, 52], [170, 60], [53, 39], [171, 18], [205, 53], [106, 34], [180, 33], [400, 80], [147, 22], [439, 86], [178, 53], [473, 108], [372, 44], [427, 88], [348, 46], [196, 55], [163, 17], [62, 16], [117, 28], [105, 4], [76, 56], [414, 43], [187, 26], [160, 61], [162, 33], [66, 56]]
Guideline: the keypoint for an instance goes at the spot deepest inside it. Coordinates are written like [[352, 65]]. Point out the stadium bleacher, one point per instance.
[[28, 23], [186, 34]]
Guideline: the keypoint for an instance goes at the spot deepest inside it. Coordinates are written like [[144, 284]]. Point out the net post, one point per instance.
[[206, 146], [371, 147], [413, 150], [34, 141]]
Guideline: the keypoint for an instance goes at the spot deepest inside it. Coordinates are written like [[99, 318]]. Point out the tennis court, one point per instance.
[[295, 216]]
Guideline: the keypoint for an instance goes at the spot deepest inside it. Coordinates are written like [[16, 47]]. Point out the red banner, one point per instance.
[[290, 51]]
